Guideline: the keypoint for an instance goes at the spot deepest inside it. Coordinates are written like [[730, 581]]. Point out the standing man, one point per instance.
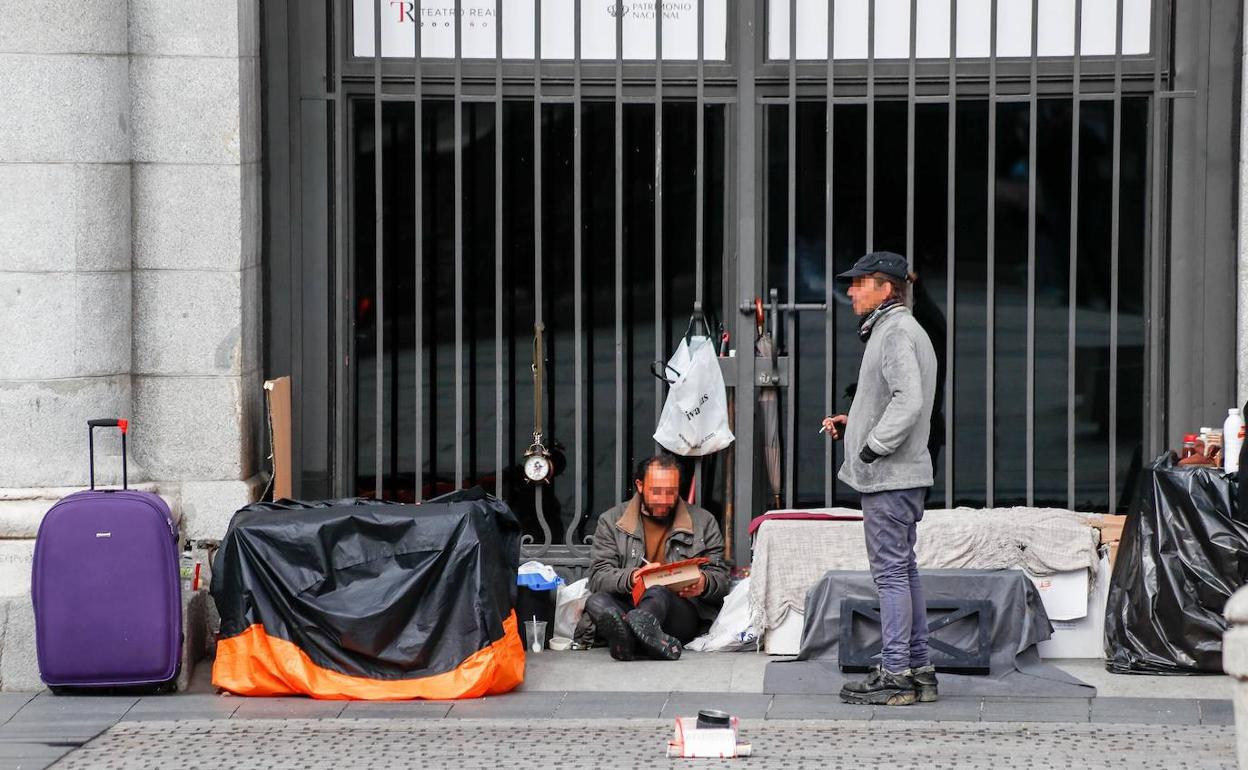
[[654, 527], [887, 461]]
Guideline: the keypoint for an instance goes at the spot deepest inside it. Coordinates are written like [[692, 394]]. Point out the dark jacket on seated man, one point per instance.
[[618, 549], [664, 620]]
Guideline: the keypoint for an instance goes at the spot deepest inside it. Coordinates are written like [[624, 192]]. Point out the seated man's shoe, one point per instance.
[[925, 683], [651, 636], [619, 637], [881, 688]]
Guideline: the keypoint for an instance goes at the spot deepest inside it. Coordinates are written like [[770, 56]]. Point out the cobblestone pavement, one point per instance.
[[624, 744]]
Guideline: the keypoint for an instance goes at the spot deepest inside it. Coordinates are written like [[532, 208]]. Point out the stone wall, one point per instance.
[[129, 265]]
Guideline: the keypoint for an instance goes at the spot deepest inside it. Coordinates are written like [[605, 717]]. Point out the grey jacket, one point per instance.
[[619, 547], [892, 407]]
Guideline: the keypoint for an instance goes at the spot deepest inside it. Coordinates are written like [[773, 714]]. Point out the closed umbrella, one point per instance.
[[769, 410]]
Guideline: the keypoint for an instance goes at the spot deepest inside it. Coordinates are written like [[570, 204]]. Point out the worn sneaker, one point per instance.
[[925, 683], [651, 636], [881, 688], [619, 637]]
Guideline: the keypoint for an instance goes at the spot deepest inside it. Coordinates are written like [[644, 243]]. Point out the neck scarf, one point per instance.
[[868, 323]]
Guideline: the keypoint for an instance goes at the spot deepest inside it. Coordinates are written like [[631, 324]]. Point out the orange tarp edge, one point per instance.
[[254, 663]]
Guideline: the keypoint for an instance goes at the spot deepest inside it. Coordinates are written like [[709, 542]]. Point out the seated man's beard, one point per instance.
[[650, 514]]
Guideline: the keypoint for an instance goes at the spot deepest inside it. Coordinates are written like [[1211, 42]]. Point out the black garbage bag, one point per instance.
[[363, 599], [1184, 551]]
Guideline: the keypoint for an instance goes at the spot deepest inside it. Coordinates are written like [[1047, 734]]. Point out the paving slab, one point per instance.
[[181, 707], [1216, 712], [817, 707], [741, 705], [53, 732], [288, 708], [515, 705], [611, 705], [396, 710], [30, 756], [45, 705], [1149, 711], [947, 709], [1069, 710], [12, 702], [595, 671]]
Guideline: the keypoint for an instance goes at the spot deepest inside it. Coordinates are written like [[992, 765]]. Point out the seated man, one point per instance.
[[655, 526]]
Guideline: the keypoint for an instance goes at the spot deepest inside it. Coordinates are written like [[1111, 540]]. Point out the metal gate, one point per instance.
[[1057, 190]]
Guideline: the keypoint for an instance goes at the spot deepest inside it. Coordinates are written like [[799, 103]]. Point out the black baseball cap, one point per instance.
[[885, 262]]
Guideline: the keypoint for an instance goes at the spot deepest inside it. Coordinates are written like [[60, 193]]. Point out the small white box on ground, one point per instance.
[[786, 638], [1064, 594], [1083, 637]]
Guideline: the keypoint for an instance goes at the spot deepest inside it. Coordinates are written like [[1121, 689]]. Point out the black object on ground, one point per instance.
[[1180, 559]]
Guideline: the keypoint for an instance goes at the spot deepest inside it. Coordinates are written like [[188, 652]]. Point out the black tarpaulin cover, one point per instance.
[[361, 599], [1184, 551]]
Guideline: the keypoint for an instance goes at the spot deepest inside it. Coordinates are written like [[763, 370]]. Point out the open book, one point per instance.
[[676, 576]]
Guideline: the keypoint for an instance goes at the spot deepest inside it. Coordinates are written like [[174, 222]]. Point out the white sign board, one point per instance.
[[1055, 33], [480, 21]]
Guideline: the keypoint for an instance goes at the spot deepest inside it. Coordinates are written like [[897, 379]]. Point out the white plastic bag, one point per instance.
[[732, 630], [694, 421], [569, 606]]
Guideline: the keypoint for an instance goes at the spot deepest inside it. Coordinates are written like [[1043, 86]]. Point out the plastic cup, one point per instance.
[[535, 631]]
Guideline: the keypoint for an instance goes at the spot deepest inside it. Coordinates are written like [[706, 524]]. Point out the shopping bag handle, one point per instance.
[[659, 370]]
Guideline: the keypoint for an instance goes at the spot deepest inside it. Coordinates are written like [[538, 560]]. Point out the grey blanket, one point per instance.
[[1019, 622]]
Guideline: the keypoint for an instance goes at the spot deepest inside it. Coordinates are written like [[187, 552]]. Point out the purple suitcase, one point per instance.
[[105, 586]]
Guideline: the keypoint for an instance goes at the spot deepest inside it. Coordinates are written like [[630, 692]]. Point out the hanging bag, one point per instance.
[[694, 421]]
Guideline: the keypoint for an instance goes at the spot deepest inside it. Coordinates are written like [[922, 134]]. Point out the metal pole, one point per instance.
[[1115, 204], [459, 248], [989, 400], [790, 400], [499, 425], [1031, 255], [1073, 277], [379, 286], [829, 262], [951, 244]]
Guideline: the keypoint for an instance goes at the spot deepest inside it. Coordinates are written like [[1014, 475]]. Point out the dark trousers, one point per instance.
[[677, 617], [890, 520]]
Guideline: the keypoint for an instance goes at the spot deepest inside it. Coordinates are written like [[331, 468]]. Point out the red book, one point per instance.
[[676, 576]]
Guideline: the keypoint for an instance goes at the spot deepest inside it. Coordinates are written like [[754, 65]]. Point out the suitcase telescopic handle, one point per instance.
[[124, 426]]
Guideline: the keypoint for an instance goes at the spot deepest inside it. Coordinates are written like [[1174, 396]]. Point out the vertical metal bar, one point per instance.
[[379, 286], [538, 299], [1072, 265], [989, 399], [658, 198], [499, 425], [459, 247], [790, 402], [699, 218], [910, 118], [1154, 403], [871, 125], [951, 244], [829, 264], [829, 253], [419, 246], [578, 319], [619, 247], [747, 172], [1031, 255], [344, 451], [700, 183], [1115, 204]]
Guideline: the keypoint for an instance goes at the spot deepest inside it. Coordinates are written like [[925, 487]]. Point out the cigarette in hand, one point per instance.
[[823, 428]]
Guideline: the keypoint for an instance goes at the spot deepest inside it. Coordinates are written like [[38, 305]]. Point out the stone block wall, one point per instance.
[[129, 265]]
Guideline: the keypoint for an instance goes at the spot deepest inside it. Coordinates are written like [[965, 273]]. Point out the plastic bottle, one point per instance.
[[1189, 446], [1232, 440], [187, 569]]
